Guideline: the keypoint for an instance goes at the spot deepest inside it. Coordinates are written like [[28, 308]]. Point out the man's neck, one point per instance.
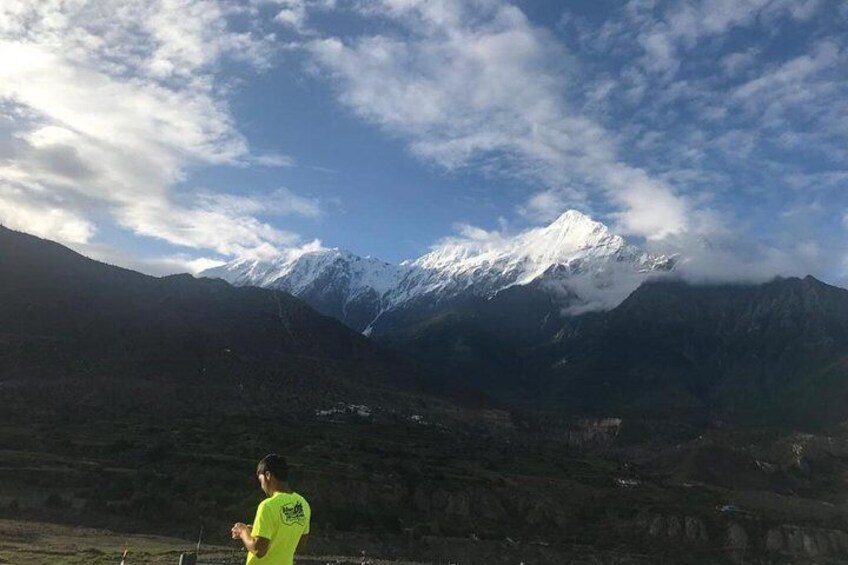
[[280, 487]]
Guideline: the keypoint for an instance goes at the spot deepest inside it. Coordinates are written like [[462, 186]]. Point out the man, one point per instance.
[[281, 526]]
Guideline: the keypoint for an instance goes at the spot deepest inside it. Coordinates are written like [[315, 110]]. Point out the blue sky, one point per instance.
[[166, 136]]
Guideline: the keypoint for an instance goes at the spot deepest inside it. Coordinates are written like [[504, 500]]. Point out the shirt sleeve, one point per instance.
[[308, 517], [263, 524]]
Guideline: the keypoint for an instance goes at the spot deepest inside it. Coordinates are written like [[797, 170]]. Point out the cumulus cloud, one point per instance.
[[478, 84], [106, 108], [270, 160], [285, 202], [666, 30], [157, 266], [801, 103], [544, 206], [673, 124], [740, 127], [651, 209], [109, 104], [280, 202], [294, 14], [468, 84], [42, 219], [738, 61], [726, 258]]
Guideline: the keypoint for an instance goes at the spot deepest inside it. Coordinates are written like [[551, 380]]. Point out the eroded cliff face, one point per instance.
[[443, 507], [711, 497], [746, 539], [550, 516], [809, 542], [682, 529]]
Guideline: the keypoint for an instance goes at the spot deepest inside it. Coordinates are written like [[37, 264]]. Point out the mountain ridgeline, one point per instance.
[[571, 317], [64, 315], [375, 297], [773, 353]]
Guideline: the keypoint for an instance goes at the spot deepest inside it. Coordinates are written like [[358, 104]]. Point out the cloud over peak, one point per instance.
[[673, 122], [108, 105], [467, 83]]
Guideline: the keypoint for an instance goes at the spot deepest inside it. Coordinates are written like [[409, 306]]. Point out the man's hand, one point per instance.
[[238, 529], [257, 546]]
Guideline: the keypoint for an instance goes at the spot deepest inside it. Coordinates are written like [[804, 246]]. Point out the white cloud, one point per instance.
[[472, 235], [789, 78], [476, 83], [109, 104], [285, 202], [544, 206], [170, 264], [41, 219], [281, 202], [800, 105], [726, 119], [270, 160], [826, 180], [739, 61], [804, 9], [651, 209], [666, 29], [158, 266], [294, 14], [200, 264], [731, 259], [660, 52]]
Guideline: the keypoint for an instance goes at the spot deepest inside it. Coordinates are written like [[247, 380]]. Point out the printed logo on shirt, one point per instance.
[[292, 513]]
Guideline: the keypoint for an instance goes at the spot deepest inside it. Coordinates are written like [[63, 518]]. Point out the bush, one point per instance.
[[55, 501]]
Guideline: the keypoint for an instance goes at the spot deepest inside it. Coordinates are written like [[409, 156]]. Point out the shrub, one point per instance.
[[55, 500]]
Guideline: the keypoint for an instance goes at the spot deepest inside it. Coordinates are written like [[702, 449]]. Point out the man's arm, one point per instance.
[[301, 544], [256, 545]]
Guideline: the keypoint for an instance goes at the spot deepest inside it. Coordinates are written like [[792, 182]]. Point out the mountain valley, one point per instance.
[[686, 424]]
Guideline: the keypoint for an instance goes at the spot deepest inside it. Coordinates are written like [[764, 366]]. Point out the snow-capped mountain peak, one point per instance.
[[573, 232], [497, 261], [573, 250], [295, 270]]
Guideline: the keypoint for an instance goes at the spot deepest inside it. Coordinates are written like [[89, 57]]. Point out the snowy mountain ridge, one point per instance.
[[296, 270], [573, 254], [573, 241]]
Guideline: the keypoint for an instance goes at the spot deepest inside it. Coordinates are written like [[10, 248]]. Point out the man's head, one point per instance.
[[272, 472]]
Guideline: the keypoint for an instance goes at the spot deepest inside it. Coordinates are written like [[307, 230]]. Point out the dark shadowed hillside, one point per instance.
[[772, 353], [63, 315]]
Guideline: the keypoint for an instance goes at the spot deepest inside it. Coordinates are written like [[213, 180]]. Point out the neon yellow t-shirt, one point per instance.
[[282, 519]]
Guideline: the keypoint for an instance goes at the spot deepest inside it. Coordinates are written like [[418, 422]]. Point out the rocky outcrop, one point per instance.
[[736, 538], [593, 432], [694, 529], [687, 529], [807, 542], [794, 542], [579, 433]]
